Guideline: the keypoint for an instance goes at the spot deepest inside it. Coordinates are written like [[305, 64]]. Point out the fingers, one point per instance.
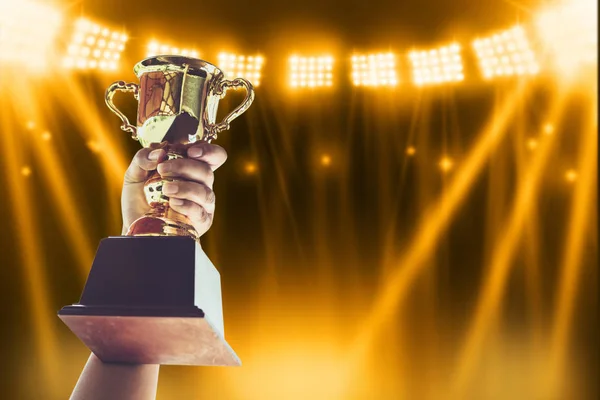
[[191, 191], [212, 154], [199, 217], [189, 169], [144, 161]]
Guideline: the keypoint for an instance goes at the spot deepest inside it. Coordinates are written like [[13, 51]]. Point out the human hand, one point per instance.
[[190, 193]]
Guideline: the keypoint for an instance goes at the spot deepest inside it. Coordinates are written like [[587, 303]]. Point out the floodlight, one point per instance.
[[436, 66], [94, 47], [506, 54], [374, 69], [241, 66], [314, 71]]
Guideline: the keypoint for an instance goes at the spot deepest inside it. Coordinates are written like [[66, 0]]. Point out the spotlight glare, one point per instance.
[[250, 168], [548, 129], [569, 31], [26, 171], [28, 32], [446, 164], [571, 175], [532, 144]]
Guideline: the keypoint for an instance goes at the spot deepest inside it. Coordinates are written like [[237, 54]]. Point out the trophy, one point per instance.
[[153, 296]]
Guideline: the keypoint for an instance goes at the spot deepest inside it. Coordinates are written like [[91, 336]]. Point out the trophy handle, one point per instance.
[[219, 90], [110, 93]]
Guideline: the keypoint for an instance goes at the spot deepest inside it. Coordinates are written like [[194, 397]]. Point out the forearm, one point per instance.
[[100, 381]]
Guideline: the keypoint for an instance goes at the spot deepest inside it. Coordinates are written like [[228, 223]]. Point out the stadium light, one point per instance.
[[374, 70], [437, 66], [94, 47], [506, 54], [155, 48], [241, 66], [311, 71], [28, 32]]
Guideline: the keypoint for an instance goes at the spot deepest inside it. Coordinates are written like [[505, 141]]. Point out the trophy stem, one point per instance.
[[161, 219]]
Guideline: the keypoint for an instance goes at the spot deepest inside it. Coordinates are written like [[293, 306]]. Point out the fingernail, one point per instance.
[[195, 151], [170, 188], [163, 168], [154, 154], [176, 202]]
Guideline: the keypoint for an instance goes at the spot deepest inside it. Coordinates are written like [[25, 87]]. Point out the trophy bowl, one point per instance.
[[177, 104]]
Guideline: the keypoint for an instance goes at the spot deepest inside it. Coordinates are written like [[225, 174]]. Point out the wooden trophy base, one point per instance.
[[152, 300]]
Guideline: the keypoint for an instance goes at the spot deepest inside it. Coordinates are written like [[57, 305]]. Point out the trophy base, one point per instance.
[[157, 336], [152, 300]]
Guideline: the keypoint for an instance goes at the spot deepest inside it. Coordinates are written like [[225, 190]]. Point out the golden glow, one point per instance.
[[156, 48], [309, 357], [446, 164], [437, 66], [27, 244], [412, 260], [582, 207], [501, 262], [94, 47], [532, 144], [571, 175], [26, 171], [28, 31], [242, 66], [374, 69], [506, 54], [94, 146], [570, 34], [60, 188], [311, 71], [250, 168]]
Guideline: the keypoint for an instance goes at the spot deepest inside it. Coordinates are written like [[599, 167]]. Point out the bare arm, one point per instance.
[[192, 196], [103, 381]]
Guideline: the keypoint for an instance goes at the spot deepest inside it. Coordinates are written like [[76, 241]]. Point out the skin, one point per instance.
[[190, 194], [191, 191]]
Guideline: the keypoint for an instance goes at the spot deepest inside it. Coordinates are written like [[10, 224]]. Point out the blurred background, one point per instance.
[[408, 210]]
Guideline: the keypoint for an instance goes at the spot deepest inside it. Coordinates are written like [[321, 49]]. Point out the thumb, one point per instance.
[[143, 162]]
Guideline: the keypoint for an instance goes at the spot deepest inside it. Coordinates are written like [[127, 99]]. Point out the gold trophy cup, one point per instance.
[[153, 296]]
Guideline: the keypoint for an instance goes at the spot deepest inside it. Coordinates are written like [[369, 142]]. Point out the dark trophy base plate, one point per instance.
[[139, 304]]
